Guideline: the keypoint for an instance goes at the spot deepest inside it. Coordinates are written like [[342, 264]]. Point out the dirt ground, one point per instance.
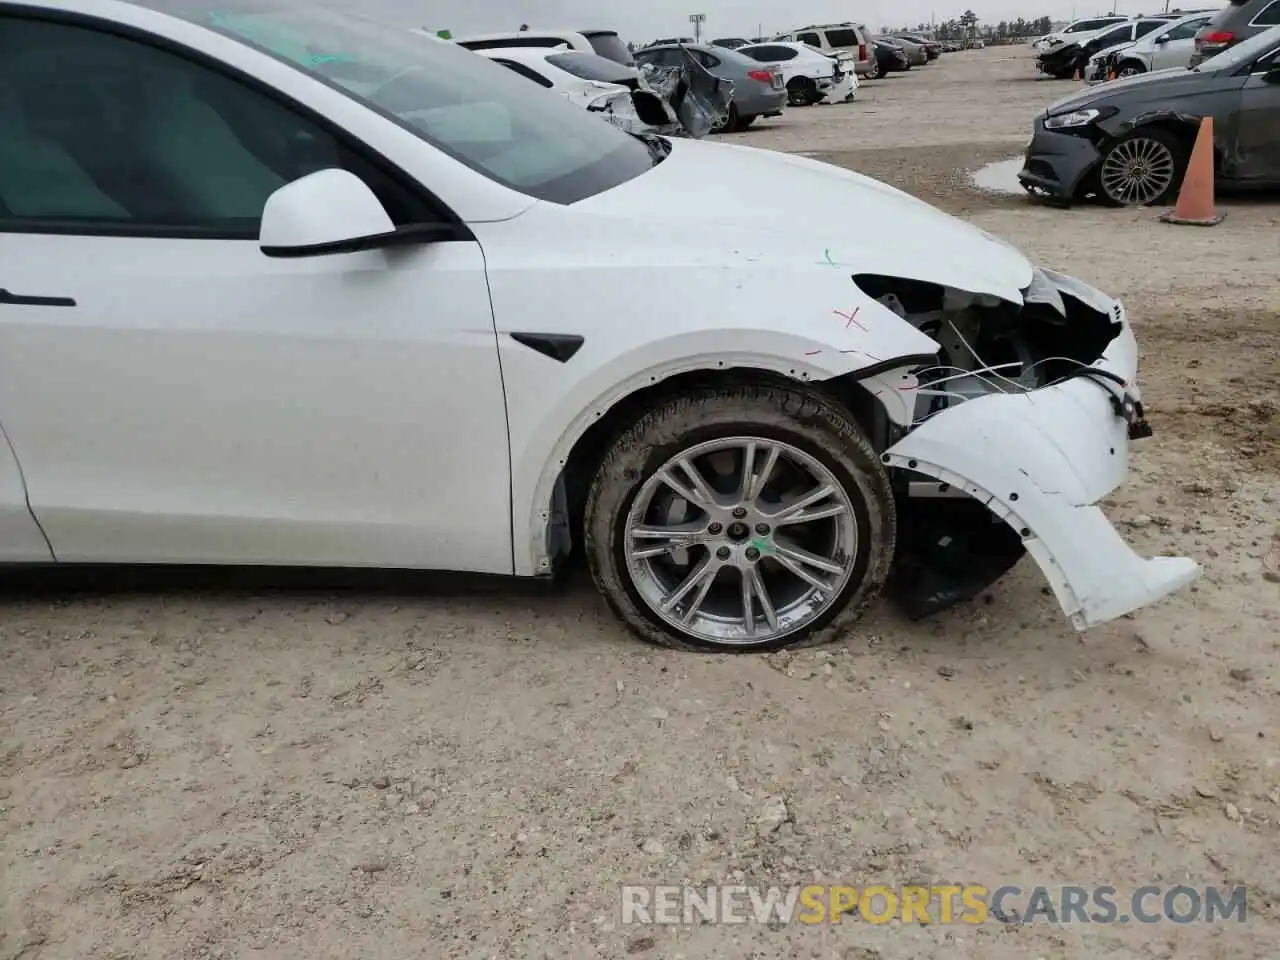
[[403, 772]]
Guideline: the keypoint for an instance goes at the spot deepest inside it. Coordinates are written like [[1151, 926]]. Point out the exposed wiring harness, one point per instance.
[[1124, 405]]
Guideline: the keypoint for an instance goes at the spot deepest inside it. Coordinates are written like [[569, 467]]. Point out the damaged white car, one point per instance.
[[338, 294], [670, 101]]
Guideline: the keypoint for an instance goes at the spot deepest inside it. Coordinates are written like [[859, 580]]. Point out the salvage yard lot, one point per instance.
[[417, 771]]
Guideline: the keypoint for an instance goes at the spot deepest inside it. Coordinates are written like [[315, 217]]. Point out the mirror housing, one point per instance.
[[1161, 40], [1272, 75], [331, 211]]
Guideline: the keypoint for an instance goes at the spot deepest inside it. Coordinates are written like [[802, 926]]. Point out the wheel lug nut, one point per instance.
[[723, 553], [714, 528], [739, 512], [762, 528], [753, 553]]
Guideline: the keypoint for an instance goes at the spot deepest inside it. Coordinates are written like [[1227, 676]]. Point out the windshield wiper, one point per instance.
[[659, 147]]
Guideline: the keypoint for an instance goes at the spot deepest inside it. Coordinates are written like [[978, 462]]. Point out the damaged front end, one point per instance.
[[683, 101], [1008, 442]]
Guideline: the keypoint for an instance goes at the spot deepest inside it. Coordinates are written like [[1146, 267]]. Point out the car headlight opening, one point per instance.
[[1076, 118]]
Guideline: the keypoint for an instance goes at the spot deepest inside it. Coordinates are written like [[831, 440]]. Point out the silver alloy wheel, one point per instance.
[[1138, 171], [1129, 71], [741, 540]]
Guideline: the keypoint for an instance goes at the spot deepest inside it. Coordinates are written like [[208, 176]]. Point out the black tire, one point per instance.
[[802, 92], [802, 419], [730, 121], [744, 122], [1134, 67], [1179, 149]]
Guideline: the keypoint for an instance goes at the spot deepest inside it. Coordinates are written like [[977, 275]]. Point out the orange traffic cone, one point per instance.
[[1111, 75], [1076, 75], [1195, 197]]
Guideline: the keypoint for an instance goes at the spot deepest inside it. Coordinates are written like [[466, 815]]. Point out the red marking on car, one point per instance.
[[850, 317]]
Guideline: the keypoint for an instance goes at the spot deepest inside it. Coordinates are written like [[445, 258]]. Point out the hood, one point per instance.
[[810, 207], [1059, 51], [1161, 83]]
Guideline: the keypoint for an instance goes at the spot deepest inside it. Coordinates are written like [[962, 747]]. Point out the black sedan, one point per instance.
[[890, 56], [1128, 142]]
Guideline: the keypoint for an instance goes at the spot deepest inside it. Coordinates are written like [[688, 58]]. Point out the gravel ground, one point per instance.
[[403, 769]]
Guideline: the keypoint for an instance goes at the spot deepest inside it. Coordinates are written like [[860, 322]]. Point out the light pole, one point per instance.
[[697, 19]]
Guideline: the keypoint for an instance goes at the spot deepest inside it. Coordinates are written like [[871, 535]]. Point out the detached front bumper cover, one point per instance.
[[1041, 461]]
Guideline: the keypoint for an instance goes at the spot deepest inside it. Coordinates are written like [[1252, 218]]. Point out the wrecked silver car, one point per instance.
[[682, 100]]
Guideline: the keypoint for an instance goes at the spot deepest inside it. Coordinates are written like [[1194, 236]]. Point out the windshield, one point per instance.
[[609, 45], [1243, 52], [476, 111], [587, 66]]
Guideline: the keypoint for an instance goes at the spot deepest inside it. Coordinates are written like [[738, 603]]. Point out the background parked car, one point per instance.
[[1101, 64], [1128, 142], [1064, 60], [1171, 46], [917, 55], [758, 89], [850, 37], [890, 56], [932, 48], [1239, 20], [811, 76], [592, 82], [604, 43], [1077, 30], [730, 43]]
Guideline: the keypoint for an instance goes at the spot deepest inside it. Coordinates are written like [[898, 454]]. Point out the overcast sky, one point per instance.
[[644, 20]]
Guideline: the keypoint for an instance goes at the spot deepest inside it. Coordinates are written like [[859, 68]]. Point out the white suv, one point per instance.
[[832, 38]]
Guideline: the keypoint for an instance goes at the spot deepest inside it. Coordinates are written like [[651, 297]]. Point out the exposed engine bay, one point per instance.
[[989, 345], [950, 546]]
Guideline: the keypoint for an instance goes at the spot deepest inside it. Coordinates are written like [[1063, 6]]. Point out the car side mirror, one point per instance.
[[327, 212], [1272, 75], [1162, 40]]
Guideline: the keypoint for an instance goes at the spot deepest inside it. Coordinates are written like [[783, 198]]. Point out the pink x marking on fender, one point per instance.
[[850, 317]]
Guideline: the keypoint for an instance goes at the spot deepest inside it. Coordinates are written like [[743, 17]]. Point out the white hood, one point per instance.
[[818, 207]]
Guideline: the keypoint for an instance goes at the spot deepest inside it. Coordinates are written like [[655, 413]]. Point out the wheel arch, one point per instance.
[[1177, 123], [557, 521]]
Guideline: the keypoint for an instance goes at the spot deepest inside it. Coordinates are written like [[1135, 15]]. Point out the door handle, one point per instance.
[[18, 300]]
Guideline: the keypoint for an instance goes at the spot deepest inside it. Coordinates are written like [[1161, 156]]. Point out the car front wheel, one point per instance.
[[740, 518], [1142, 168]]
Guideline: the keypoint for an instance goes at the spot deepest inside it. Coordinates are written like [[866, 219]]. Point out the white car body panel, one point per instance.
[[289, 429], [206, 403], [1171, 53], [21, 540]]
